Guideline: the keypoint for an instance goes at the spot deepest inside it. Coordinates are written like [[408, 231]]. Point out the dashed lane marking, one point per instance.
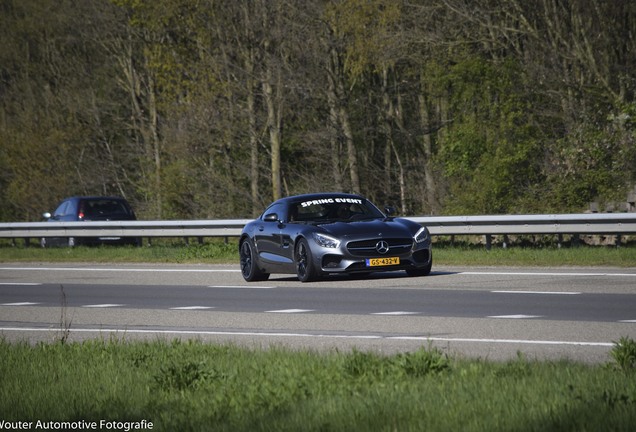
[[20, 304], [536, 292], [105, 305], [396, 313], [290, 311]]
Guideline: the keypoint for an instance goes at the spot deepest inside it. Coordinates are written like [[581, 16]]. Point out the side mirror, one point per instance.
[[46, 215], [271, 217], [389, 210]]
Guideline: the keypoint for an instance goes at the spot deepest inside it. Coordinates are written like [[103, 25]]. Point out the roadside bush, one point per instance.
[[624, 354]]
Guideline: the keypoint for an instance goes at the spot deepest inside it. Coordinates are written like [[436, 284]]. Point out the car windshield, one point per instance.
[[332, 209]]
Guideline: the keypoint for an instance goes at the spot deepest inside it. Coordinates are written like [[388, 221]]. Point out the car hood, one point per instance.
[[368, 228]]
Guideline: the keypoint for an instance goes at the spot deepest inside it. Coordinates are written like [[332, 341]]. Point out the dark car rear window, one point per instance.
[[101, 207]]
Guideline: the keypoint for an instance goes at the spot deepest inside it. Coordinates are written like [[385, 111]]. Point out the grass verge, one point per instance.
[[195, 386], [222, 252]]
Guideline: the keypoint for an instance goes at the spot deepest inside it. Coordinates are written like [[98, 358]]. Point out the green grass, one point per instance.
[[222, 252], [161, 251], [196, 386], [586, 256]]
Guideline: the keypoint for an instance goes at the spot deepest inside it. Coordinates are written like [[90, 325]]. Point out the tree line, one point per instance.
[[195, 109]]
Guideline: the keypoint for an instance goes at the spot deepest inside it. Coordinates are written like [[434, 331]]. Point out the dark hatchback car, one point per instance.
[[90, 208]]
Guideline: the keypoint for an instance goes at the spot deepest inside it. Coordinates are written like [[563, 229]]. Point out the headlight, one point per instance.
[[421, 235], [326, 241]]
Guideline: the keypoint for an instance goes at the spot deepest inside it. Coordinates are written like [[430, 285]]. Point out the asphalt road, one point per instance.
[[491, 313]]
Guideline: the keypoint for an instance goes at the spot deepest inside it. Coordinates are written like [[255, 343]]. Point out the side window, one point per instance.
[[62, 210]]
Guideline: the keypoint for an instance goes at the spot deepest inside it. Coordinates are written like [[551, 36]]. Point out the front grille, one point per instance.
[[366, 248]]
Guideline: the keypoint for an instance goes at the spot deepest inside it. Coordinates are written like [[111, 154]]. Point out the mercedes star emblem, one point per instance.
[[382, 247]]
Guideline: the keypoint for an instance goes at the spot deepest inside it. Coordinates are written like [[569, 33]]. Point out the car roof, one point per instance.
[[94, 197]]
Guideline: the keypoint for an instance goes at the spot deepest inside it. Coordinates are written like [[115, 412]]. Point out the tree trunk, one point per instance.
[[336, 74], [334, 136], [273, 126], [427, 147]]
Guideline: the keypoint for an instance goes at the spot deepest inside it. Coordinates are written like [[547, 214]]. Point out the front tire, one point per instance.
[[421, 271], [305, 268], [249, 266]]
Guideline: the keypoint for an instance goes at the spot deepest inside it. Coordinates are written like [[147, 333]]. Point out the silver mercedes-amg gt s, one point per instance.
[[319, 234]]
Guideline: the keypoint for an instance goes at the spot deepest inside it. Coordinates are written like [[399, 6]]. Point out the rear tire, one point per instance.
[[305, 268], [249, 266]]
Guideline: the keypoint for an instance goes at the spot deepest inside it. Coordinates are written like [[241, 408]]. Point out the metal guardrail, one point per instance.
[[196, 228], [592, 223], [558, 224]]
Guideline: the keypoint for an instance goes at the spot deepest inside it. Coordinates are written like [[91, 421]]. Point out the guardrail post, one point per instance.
[[488, 241]]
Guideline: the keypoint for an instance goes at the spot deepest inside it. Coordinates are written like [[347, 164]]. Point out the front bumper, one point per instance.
[[341, 261]]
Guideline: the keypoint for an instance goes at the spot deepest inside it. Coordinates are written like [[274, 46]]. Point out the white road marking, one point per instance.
[[19, 304], [515, 316], [149, 270], [20, 283], [192, 308], [536, 292], [504, 341], [228, 270], [544, 274], [290, 311], [309, 335], [628, 321], [395, 313], [105, 305]]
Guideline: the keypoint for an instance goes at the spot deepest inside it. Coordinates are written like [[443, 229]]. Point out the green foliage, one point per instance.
[[586, 166], [624, 354], [206, 252], [365, 365], [490, 152], [183, 376], [163, 103], [191, 385]]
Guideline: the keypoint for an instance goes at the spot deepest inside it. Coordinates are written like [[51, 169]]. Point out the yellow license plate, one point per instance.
[[389, 261]]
